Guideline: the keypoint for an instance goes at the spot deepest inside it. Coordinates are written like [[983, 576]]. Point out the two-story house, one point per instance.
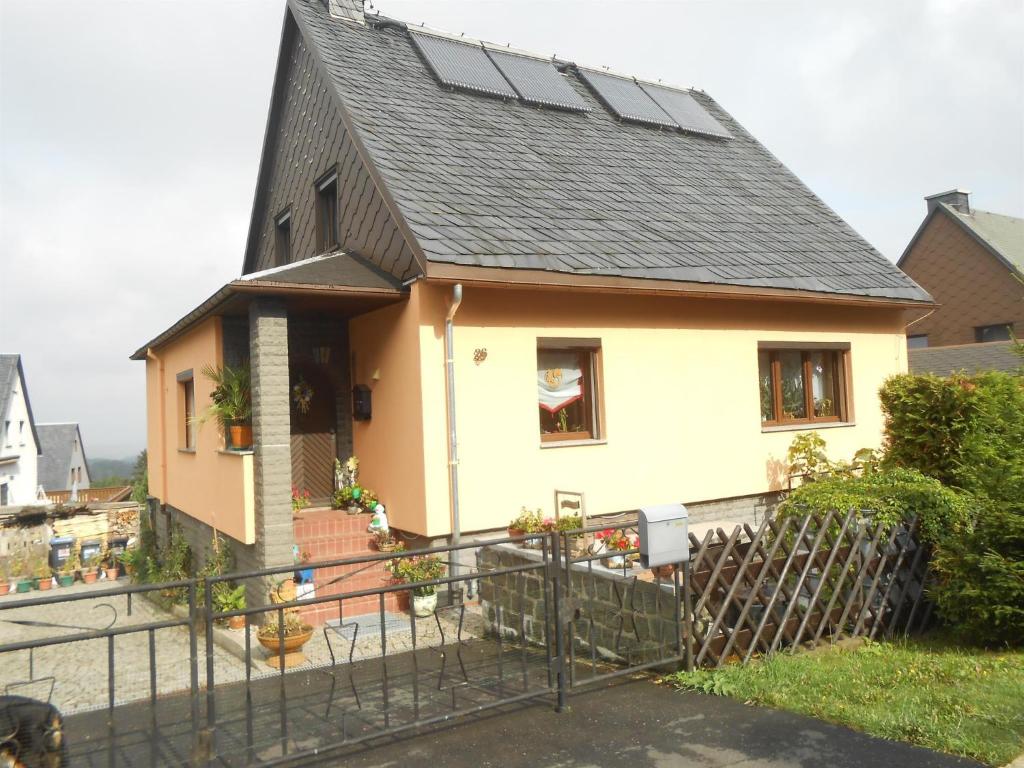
[[492, 275], [972, 263], [19, 441], [62, 462]]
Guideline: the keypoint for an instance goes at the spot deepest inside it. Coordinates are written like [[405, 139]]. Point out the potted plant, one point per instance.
[[43, 574], [227, 598], [110, 569], [411, 569], [385, 541], [130, 561], [231, 402], [300, 499], [616, 542], [23, 578], [66, 573], [296, 634], [574, 541], [90, 568]]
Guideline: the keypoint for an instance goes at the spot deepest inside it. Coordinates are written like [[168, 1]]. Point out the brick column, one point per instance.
[[271, 423]]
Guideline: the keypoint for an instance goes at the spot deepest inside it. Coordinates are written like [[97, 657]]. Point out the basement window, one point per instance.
[[567, 389], [283, 239], [802, 385], [327, 213]]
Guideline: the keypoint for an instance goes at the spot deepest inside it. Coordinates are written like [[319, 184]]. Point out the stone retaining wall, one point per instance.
[[624, 618]]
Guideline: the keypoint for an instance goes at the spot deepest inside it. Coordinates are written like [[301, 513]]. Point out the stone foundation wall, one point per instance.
[[622, 618]]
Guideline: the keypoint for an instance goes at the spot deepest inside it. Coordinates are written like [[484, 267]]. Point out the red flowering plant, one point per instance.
[[300, 498], [616, 540]]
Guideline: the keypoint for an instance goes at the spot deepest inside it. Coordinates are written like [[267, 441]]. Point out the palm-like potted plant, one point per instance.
[[231, 402], [411, 569], [110, 566], [91, 567], [66, 573]]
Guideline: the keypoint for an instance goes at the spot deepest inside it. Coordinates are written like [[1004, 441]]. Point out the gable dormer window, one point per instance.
[[283, 238], [327, 212]]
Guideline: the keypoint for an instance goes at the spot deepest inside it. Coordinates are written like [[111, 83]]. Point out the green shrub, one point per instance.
[[980, 579], [888, 497], [965, 431]]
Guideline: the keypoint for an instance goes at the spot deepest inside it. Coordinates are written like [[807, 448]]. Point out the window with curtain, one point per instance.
[[802, 386], [566, 393]]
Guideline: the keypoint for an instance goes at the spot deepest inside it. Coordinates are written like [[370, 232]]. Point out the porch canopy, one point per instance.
[[337, 284]]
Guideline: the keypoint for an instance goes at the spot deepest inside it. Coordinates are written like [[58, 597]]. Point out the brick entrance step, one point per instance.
[[332, 534]]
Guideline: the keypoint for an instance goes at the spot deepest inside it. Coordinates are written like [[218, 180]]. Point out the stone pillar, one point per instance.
[[271, 426]]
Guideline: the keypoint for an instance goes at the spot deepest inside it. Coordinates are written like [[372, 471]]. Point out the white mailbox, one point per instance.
[[663, 535]]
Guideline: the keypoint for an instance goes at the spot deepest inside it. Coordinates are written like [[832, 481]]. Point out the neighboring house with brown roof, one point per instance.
[[491, 275], [972, 263]]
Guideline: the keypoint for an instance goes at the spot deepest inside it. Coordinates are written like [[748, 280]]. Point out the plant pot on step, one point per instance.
[[112, 573], [66, 579], [24, 585], [5, 587], [292, 647], [241, 436], [404, 599], [89, 577], [424, 605], [44, 583], [236, 622]]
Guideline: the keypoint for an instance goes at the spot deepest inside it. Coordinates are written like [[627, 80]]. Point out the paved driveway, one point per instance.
[[642, 725]]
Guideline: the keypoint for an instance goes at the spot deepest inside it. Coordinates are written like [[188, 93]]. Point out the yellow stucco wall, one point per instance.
[[680, 398], [207, 484]]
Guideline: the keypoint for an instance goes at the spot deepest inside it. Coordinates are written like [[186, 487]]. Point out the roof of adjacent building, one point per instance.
[[11, 371], [1002, 234], [57, 445], [485, 182], [970, 358]]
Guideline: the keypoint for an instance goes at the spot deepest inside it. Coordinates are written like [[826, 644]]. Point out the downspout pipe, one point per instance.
[[453, 443], [162, 403]]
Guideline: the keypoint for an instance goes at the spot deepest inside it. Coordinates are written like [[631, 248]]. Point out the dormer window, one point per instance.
[[283, 239], [327, 212]]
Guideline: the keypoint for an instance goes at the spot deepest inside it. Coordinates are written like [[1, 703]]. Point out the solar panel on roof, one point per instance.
[[537, 81], [460, 65], [685, 110], [626, 99]]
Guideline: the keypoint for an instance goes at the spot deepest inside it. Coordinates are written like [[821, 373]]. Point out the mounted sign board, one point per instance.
[[663, 535]]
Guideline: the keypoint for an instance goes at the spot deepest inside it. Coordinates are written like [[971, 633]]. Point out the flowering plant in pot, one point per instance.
[[411, 569], [615, 542], [231, 402], [300, 498]]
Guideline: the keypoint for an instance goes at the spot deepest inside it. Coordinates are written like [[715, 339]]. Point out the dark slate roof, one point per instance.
[[11, 370], [971, 358], [486, 182], [57, 445]]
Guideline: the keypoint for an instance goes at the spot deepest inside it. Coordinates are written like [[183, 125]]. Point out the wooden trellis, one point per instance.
[[795, 580]]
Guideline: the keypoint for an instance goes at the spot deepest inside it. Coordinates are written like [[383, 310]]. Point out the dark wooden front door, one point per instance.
[[313, 435]]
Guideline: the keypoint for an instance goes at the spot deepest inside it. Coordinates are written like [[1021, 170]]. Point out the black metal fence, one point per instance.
[[518, 619]]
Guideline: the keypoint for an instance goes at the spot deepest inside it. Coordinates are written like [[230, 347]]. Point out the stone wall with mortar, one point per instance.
[[623, 618]]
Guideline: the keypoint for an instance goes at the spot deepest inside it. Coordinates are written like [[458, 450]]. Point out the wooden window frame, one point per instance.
[[328, 235], [589, 354], [840, 374], [186, 412], [283, 238]]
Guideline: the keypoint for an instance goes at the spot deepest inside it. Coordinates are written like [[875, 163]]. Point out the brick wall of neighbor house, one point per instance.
[[310, 138], [971, 285]]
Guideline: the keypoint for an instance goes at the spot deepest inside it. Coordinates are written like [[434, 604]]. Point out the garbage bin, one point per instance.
[[91, 548], [118, 545], [61, 548]]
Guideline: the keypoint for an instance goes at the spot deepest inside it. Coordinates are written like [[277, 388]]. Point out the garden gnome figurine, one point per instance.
[[379, 522]]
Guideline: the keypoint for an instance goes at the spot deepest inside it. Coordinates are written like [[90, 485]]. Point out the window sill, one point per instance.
[[236, 451], [809, 426], [572, 443], [187, 450]]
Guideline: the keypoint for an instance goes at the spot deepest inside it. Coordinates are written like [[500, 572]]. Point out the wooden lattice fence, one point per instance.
[[797, 580]]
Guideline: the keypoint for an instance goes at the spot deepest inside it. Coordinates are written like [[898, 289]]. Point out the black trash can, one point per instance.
[[91, 548], [118, 545], [61, 548]]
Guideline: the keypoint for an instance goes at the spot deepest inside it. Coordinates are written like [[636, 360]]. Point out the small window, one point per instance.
[[917, 341], [802, 386], [7, 433], [21, 432], [567, 392], [1000, 332], [327, 213], [3, 495], [283, 239], [186, 411]]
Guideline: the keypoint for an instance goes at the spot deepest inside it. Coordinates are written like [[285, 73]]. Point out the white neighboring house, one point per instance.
[[62, 464], [19, 440]]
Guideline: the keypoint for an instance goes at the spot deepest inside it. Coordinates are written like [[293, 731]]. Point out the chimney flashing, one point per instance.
[[346, 10], [958, 199]]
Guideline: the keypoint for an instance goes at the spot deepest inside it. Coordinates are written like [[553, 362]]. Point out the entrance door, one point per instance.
[[313, 425]]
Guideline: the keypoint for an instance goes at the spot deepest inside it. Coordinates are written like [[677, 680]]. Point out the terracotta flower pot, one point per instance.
[[44, 584], [663, 572], [292, 643], [241, 436], [403, 600], [89, 577], [515, 532], [5, 587], [112, 573], [236, 622]]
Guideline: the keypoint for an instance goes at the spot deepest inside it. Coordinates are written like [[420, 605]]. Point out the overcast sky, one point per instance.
[[130, 135]]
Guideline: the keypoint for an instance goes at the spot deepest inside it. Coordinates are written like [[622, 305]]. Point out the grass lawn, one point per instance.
[[930, 692]]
